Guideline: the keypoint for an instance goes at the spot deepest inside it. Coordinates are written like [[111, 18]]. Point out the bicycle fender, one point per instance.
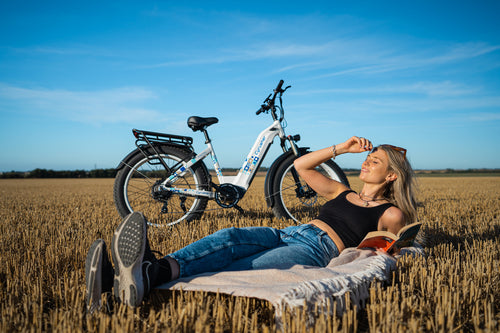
[[147, 150], [271, 173], [126, 159]]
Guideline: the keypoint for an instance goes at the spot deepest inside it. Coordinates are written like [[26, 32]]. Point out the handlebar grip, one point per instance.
[[262, 109], [280, 84]]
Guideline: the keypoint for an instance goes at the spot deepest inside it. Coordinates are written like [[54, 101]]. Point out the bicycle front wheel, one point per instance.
[[293, 198], [135, 187]]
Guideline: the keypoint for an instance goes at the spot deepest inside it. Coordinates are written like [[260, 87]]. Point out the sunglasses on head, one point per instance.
[[399, 149]]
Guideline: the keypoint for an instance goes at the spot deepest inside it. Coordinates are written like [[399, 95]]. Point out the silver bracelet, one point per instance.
[[334, 151]]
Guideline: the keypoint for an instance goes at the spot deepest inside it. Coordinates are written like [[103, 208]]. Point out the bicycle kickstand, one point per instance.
[[239, 209]]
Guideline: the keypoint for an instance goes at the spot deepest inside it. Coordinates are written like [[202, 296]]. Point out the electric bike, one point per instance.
[[169, 182]]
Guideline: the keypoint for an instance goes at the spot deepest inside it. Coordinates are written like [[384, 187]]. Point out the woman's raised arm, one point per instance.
[[324, 186]]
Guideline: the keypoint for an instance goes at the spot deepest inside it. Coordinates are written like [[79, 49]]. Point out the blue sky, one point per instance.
[[76, 77]]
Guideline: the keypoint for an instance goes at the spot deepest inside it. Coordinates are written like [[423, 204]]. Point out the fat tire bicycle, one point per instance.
[[166, 180]]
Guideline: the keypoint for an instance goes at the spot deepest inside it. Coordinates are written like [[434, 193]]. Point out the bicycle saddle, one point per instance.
[[199, 123]]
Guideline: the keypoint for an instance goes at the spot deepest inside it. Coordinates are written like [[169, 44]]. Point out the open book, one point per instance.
[[390, 243]]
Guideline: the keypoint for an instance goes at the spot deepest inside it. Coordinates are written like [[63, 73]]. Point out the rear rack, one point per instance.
[[148, 137]]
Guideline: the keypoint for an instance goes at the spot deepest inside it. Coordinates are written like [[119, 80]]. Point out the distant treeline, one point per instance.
[[443, 172], [455, 171], [111, 173], [44, 173]]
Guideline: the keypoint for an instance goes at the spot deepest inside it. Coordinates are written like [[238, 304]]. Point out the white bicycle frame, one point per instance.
[[245, 175]]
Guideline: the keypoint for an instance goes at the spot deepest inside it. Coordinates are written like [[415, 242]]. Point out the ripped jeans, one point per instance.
[[237, 249]]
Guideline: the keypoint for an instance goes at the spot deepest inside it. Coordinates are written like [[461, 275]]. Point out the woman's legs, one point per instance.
[[236, 249], [301, 245], [220, 249], [137, 270]]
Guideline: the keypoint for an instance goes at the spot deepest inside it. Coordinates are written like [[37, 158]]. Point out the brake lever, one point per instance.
[[264, 107]]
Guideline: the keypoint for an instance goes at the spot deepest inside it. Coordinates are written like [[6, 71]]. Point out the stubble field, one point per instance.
[[47, 226]]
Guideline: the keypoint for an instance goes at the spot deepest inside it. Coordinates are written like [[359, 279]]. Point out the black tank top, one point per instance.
[[351, 222]]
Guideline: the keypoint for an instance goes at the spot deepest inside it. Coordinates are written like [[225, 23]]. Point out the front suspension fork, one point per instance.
[[295, 175]]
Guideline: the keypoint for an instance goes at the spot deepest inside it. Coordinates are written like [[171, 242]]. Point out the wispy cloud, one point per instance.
[[444, 88], [69, 49], [371, 61], [121, 105], [471, 106], [301, 66], [485, 116], [355, 56], [438, 104], [252, 53], [460, 52]]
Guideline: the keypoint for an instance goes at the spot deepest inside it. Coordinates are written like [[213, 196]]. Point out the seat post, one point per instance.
[[207, 138]]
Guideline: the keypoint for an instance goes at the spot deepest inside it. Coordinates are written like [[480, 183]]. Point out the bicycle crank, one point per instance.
[[228, 196]]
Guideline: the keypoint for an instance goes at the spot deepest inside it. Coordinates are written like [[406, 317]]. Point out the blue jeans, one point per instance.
[[237, 249]]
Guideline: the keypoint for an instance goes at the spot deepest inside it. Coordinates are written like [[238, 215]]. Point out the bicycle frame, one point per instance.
[[245, 175]]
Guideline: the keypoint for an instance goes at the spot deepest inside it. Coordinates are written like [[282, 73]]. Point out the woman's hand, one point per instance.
[[355, 144]]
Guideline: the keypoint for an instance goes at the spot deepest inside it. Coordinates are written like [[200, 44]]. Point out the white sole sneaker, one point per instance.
[[127, 250], [96, 265]]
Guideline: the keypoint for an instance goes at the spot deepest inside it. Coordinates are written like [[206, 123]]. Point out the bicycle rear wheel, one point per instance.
[[295, 199], [135, 187]]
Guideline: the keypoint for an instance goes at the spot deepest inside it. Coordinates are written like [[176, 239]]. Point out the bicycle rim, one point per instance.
[[161, 210]]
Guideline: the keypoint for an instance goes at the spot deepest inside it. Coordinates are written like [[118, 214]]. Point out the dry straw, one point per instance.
[[46, 227]]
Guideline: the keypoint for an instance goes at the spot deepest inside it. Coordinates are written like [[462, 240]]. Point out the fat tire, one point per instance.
[[287, 204], [134, 182]]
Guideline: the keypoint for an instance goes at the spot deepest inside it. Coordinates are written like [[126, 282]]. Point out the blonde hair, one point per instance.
[[401, 191]]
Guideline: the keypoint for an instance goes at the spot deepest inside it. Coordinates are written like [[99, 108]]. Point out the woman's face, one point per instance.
[[375, 169]]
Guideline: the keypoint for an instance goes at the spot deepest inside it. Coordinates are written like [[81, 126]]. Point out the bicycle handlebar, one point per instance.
[[269, 102], [278, 88]]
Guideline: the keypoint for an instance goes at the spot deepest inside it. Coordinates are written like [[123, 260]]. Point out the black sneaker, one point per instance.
[[98, 275], [127, 249]]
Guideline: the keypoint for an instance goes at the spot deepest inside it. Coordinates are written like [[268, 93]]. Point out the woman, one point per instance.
[[386, 202]]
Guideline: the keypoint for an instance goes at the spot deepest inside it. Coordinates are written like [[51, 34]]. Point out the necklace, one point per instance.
[[367, 202]]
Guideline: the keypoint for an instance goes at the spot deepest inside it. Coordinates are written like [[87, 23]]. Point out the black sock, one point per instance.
[[163, 272]]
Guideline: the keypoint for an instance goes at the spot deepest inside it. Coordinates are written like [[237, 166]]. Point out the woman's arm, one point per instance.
[[324, 186]]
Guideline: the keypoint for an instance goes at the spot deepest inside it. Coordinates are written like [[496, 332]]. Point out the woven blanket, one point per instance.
[[314, 287]]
